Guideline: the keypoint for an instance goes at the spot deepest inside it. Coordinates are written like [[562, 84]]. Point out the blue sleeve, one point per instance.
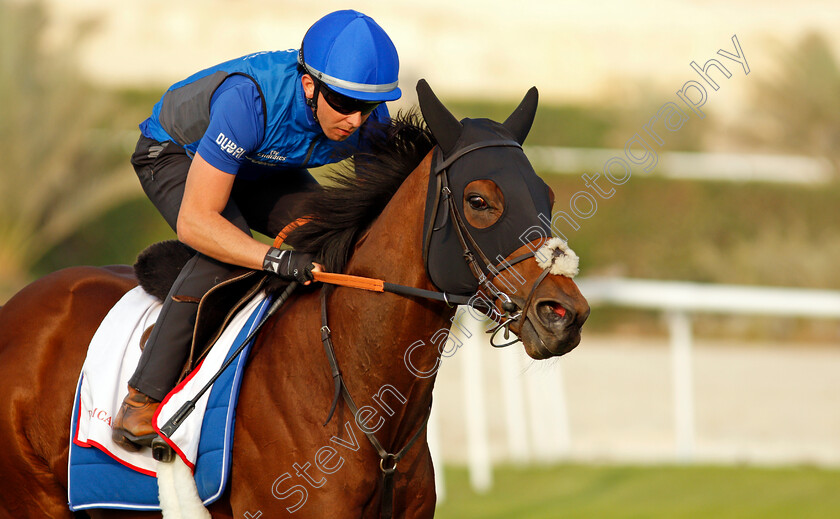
[[236, 124]]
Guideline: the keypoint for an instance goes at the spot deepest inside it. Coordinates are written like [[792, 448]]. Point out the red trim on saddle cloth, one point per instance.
[[93, 443], [172, 393], [122, 462]]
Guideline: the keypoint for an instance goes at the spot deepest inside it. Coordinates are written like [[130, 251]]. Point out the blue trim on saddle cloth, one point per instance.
[[95, 480]]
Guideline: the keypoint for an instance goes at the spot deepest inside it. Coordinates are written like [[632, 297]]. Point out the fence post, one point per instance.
[[679, 327], [548, 414], [478, 444], [435, 450], [510, 367]]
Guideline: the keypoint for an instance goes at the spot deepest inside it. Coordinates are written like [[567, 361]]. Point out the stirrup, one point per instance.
[[161, 451]]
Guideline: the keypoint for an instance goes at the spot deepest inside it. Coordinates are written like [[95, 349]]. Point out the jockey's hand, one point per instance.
[[291, 265]]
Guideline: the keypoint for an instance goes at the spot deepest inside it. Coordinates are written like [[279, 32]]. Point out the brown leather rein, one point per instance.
[[388, 461]]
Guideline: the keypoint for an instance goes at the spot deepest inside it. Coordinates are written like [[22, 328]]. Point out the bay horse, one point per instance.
[[423, 192]]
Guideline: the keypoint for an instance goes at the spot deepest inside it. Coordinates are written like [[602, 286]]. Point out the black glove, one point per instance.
[[289, 265]]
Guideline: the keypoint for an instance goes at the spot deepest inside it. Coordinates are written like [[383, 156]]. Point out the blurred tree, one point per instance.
[[573, 125], [609, 123], [799, 105], [57, 173], [634, 103]]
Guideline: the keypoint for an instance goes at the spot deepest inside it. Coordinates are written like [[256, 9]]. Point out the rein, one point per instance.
[[469, 244], [472, 253], [388, 461]]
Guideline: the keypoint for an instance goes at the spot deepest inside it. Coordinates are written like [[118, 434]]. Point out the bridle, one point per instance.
[[472, 252]]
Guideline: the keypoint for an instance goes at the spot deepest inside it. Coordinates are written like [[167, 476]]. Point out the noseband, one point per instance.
[[512, 313]]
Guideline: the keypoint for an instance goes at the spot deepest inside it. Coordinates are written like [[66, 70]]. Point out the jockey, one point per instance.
[[226, 151]]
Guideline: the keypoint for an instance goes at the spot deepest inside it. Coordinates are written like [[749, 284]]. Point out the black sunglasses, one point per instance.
[[347, 105]]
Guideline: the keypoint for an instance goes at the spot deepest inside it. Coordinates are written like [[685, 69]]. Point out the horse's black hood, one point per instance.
[[502, 161]]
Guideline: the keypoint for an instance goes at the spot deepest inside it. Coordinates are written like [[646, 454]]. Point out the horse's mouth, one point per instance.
[[550, 330]]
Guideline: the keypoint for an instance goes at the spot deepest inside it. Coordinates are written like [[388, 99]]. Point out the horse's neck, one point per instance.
[[392, 247], [383, 326]]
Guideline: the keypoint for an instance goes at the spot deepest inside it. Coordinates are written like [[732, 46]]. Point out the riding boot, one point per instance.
[[132, 428]]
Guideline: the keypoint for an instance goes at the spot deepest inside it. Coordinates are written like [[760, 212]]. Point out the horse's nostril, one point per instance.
[[551, 312]]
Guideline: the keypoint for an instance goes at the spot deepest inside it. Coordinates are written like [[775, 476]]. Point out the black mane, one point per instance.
[[358, 192]]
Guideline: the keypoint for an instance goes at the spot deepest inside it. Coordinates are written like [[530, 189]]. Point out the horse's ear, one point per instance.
[[444, 126], [519, 122]]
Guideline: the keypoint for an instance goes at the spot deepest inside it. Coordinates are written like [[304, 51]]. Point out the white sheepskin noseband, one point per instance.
[[556, 256]]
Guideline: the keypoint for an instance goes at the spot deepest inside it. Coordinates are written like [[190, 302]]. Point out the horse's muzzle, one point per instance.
[[552, 327]]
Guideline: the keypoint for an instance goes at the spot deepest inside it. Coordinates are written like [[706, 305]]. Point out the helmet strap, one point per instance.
[[312, 102]]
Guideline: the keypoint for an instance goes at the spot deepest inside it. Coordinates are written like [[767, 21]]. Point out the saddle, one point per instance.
[[158, 266]]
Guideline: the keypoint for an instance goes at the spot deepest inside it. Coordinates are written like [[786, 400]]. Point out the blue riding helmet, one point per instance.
[[352, 54]]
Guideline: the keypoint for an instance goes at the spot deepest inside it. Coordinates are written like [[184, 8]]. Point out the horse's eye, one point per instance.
[[478, 203]]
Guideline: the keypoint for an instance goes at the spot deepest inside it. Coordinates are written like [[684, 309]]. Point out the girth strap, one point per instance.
[[387, 461]]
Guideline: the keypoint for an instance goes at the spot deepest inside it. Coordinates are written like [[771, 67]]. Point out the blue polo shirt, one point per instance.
[[249, 115]]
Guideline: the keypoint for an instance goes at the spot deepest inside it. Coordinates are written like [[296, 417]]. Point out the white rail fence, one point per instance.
[[532, 406], [737, 167]]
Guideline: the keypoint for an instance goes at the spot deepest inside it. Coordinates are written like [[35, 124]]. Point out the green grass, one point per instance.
[[616, 492]]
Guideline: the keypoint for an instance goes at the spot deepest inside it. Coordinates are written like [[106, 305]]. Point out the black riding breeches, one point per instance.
[[265, 204]]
